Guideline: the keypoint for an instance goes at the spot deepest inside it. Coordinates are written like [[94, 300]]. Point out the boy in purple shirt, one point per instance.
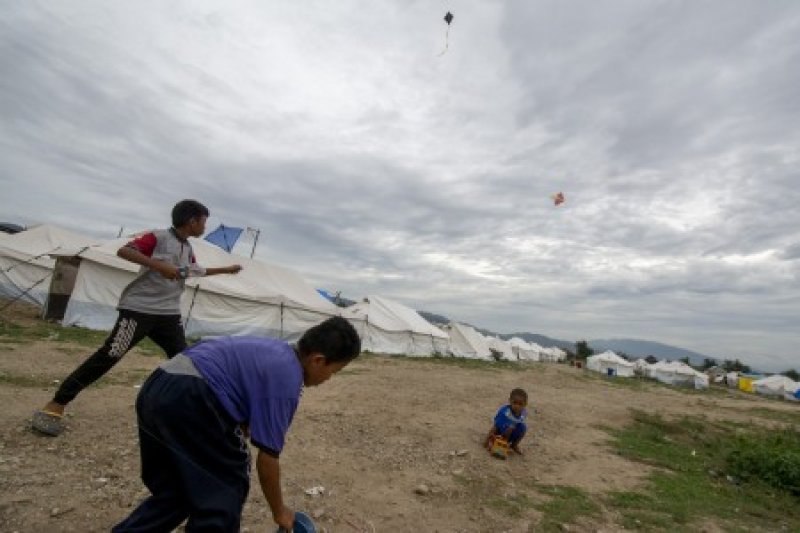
[[509, 422], [196, 410]]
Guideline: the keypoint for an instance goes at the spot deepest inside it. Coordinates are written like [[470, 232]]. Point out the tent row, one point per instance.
[[78, 280], [775, 386], [682, 375], [669, 372]]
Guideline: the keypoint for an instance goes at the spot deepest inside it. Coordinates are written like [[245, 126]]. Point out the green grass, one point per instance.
[[790, 417], [460, 362], [15, 334], [564, 506], [698, 475]]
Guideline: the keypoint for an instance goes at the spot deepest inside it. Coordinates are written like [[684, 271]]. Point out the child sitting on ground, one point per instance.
[[509, 422]]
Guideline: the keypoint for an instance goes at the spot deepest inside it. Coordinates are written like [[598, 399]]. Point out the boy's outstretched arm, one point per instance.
[[135, 256], [231, 269], [269, 475]]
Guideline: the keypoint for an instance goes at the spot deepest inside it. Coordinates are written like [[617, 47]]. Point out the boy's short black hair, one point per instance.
[[335, 338], [186, 210], [519, 393]]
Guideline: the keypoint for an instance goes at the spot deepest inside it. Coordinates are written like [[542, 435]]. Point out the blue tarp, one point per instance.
[[224, 237]]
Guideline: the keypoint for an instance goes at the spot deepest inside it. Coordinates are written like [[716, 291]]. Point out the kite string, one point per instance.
[[446, 40]]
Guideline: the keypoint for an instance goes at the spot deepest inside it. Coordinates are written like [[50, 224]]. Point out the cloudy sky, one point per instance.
[[379, 154]]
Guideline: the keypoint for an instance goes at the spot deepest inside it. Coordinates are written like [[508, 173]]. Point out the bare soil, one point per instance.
[[372, 436]]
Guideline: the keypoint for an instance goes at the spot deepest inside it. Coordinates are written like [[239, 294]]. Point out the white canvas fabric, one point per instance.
[[609, 363], [776, 386], [26, 264], [389, 327], [553, 354], [677, 373], [523, 350], [466, 342], [262, 299], [501, 347]]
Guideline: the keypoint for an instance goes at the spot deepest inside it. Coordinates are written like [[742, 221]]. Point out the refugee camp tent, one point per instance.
[[389, 327], [776, 386], [26, 267], [466, 342], [791, 391], [678, 374], [501, 349], [262, 299], [641, 367], [523, 350], [552, 354], [611, 364]]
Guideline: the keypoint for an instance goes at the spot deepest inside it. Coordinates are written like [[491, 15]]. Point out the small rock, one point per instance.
[[422, 489], [318, 513], [461, 453]]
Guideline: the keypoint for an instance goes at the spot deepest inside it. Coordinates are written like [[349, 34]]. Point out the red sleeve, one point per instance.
[[144, 243], [193, 259]]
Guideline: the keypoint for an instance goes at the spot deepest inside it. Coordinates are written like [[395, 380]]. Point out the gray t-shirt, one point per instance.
[[151, 292]]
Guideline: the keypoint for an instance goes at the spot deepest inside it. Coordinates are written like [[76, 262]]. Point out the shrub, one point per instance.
[[773, 458]]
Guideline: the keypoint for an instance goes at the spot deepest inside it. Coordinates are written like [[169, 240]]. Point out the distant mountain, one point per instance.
[[638, 348], [433, 318]]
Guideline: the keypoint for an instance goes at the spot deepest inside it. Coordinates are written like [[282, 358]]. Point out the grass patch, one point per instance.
[[514, 506], [564, 506], [790, 417], [25, 381], [739, 476], [15, 334], [479, 364]]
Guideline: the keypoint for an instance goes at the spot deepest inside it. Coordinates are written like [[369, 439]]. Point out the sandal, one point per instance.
[[49, 423]]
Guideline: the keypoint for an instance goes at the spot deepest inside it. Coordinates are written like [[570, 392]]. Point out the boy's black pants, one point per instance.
[[195, 460], [130, 328]]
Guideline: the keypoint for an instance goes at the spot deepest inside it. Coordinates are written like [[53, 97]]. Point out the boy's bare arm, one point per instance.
[[135, 256], [231, 269], [269, 475]]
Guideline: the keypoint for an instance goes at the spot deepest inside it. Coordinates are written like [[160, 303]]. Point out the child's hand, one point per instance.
[[168, 271], [284, 518]]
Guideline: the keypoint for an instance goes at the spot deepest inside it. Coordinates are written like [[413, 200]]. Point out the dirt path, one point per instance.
[[371, 437]]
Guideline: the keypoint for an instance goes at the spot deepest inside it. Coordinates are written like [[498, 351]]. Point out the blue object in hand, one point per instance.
[[302, 524]]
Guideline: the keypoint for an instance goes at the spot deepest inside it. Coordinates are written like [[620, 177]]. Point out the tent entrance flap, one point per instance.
[[61, 284]]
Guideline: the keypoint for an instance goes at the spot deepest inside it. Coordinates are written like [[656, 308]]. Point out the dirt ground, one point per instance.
[[372, 437]]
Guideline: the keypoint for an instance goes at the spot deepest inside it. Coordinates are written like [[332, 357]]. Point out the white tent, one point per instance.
[[641, 367], [791, 391], [502, 348], [466, 342], [25, 264], [677, 373], [525, 351], [611, 364], [553, 354], [386, 326], [262, 299], [777, 385]]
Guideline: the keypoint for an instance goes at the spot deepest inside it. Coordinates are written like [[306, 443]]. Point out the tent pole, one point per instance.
[[26, 291], [191, 306], [255, 241]]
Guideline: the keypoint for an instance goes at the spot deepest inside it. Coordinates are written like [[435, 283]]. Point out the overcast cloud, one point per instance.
[[374, 163]]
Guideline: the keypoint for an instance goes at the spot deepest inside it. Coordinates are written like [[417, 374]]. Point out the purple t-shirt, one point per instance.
[[258, 380]]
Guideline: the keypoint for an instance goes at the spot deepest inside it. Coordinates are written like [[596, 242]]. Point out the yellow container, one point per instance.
[[746, 384]]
